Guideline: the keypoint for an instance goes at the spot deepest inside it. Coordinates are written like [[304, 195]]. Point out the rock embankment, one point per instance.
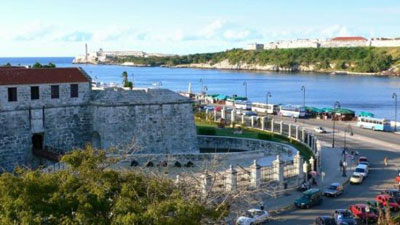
[[225, 65]]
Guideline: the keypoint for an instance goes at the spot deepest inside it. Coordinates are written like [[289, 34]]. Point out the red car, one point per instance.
[[388, 200], [363, 160], [359, 212]]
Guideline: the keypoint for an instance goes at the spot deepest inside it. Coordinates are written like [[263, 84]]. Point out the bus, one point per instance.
[[263, 108], [244, 105], [292, 111], [374, 123]]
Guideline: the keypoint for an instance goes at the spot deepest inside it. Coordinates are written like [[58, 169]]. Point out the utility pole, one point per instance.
[[303, 88], [335, 106], [394, 96], [266, 100], [245, 89]]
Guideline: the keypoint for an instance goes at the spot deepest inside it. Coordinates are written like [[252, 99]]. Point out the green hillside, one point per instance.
[[358, 59]]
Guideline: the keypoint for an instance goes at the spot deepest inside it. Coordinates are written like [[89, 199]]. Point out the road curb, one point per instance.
[[291, 206]]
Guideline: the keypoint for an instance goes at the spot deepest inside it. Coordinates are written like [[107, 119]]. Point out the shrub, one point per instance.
[[206, 131]]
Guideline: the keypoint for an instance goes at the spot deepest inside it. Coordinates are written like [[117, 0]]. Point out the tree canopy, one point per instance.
[[90, 193], [360, 59], [38, 65]]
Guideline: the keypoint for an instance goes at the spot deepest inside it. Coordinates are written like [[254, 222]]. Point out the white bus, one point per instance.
[[374, 123], [263, 108], [292, 111], [244, 105]]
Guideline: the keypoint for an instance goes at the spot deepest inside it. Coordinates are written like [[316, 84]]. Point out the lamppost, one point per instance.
[[394, 96], [350, 130], [266, 100], [245, 88], [335, 106], [303, 88], [205, 89]]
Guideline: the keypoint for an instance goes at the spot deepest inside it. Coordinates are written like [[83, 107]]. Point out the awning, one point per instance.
[[365, 114]]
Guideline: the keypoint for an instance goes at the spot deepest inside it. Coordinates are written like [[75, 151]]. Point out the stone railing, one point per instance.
[[255, 176], [291, 131]]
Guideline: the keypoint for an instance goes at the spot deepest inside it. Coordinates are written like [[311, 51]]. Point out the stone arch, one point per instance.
[[96, 140]]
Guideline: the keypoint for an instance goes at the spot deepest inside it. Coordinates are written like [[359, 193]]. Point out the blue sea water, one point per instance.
[[359, 93]]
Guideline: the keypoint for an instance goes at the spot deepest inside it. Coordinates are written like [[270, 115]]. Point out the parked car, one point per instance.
[[324, 220], [359, 212], [363, 160], [387, 200], [249, 113], [361, 169], [210, 108], [343, 217], [218, 108], [253, 216], [356, 179], [310, 198], [393, 193], [320, 130], [334, 190], [374, 205]]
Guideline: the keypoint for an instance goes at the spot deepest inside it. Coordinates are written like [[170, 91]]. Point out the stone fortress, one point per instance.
[[56, 110], [328, 43], [104, 57]]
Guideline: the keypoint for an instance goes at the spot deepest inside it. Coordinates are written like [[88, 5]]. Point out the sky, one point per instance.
[[33, 28]]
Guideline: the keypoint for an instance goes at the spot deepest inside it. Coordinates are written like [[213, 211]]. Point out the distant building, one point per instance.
[[349, 39], [255, 46]]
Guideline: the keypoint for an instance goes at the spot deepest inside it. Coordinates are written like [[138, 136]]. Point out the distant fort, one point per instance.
[[336, 42], [107, 57]]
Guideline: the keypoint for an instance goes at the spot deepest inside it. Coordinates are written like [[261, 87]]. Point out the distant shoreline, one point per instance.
[[292, 70]]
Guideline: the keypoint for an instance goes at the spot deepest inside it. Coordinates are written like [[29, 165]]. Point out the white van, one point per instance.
[[361, 169]]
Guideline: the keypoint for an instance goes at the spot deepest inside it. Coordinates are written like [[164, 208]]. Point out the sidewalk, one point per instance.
[[330, 165]]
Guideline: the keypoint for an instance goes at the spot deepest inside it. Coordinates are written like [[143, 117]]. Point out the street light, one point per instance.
[[245, 88], [350, 130], [394, 96], [266, 99], [335, 106], [303, 88]]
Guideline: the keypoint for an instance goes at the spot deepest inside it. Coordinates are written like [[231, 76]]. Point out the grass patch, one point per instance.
[[211, 129]]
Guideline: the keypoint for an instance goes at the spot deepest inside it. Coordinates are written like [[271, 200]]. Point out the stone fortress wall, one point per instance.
[[159, 120], [62, 123], [328, 43]]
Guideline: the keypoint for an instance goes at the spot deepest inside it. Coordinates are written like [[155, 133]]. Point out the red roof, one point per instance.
[[349, 39], [18, 76]]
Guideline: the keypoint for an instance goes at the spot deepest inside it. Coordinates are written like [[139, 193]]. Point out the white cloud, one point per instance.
[[33, 31]]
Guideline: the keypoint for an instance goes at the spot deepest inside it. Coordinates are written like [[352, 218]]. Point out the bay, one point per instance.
[[356, 92]]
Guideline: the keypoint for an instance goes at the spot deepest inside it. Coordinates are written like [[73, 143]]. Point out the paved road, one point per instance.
[[380, 177]]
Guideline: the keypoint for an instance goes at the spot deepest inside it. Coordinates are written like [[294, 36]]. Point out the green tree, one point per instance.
[[37, 65], [124, 77], [89, 192]]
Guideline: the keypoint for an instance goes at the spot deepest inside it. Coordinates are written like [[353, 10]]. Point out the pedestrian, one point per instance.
[[385, 160], [341, 165], [343, 152], [314, 182]]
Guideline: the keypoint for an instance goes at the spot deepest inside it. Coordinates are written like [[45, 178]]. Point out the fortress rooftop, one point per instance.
[[21, 75], [119, 96]]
